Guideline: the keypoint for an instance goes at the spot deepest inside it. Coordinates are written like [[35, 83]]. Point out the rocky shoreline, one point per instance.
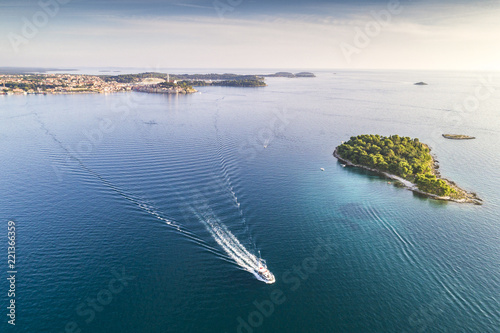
[[468, 197]]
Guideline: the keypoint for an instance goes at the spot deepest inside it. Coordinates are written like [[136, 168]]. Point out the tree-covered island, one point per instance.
[[405, 159]]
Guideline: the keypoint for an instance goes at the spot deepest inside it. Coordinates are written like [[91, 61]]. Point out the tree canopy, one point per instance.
[[401, 156]]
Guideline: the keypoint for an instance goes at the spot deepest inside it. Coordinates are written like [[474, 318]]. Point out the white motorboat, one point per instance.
[[265, 274]]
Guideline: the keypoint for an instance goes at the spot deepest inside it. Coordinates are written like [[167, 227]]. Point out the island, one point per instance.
[[290, 75], [420, 84], [458, 137], [404, 159]]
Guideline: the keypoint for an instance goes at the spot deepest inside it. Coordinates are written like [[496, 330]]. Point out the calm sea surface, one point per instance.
[[133, 211]]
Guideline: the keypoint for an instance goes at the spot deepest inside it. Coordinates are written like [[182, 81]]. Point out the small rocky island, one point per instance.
[[420, 84], [458, 137], [403, 159]]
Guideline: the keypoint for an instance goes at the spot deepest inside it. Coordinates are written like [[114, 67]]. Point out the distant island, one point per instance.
[[458, 137], [404, 159], [290, 75], [151, 82], [420, 84]]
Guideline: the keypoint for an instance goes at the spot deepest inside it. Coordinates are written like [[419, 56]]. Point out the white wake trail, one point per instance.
[[228, 242]]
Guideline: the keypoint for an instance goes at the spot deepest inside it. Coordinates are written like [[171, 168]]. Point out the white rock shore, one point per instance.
[[470, 197]]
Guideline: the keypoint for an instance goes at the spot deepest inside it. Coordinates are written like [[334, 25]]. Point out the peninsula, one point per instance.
[[143, 82], [227, 79], [403, 159], [81, 84]]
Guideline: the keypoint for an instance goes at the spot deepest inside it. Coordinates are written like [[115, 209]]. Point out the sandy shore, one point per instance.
[[468, 197]]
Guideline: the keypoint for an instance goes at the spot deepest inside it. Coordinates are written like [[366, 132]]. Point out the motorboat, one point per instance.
[[265, 274]]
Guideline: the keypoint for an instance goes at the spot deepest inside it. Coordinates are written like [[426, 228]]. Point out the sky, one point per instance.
[[283, 34]]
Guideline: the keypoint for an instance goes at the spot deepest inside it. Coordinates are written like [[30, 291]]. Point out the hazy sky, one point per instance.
[[292, 34]]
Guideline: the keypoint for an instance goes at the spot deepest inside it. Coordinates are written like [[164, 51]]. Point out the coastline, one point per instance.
[[45, 84], [183, 92], [156, 90], [469, 197], [64, 93]]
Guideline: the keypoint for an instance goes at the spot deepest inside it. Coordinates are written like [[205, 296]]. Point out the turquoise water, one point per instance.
[[111, 195]]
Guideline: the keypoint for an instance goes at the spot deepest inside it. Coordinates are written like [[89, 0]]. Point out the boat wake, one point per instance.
[[141, 203], [231, 245], [227, 241]]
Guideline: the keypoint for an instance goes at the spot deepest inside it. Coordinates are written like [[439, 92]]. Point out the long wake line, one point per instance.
[[140, 203], [228, 242]]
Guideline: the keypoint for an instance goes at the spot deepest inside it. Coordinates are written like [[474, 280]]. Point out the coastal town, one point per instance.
[[149, 82], [77, 84], [57, 84]]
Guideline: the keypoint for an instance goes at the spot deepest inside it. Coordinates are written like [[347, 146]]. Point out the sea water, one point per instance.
[[126, 206]]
